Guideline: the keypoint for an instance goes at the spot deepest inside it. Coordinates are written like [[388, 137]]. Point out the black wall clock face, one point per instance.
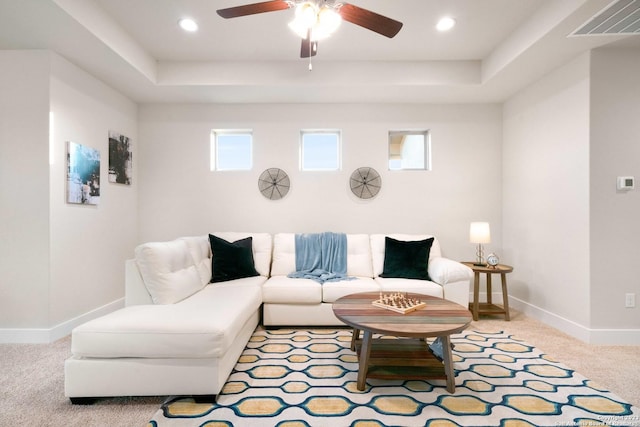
[[365, 182], [274, 183]]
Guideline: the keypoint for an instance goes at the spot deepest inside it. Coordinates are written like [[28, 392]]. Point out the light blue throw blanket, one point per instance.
[[321, 257]]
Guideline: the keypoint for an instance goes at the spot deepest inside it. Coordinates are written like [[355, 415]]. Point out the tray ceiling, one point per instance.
[[136, 46]]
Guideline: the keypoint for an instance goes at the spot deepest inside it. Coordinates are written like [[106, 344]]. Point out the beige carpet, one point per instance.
[[616, 368], [32, 377]]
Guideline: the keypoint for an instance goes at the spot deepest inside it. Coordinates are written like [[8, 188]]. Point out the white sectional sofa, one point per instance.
[[181, 335]]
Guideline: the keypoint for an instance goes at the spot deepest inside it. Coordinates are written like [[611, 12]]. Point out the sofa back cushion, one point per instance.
[[358, 255], [200, 251], [378, 245], [261, 242], [168, 271], [284, 254]]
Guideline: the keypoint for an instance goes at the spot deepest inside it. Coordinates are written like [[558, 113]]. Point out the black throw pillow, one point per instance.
[[231, 260], [406, 259]]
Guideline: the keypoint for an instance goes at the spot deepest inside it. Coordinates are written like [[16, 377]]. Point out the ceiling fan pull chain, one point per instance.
[[310, 55]]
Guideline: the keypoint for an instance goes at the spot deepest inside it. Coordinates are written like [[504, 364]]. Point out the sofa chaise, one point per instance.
[[179, 334]]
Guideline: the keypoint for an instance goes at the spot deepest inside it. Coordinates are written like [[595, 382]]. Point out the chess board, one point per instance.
[[398, 302]]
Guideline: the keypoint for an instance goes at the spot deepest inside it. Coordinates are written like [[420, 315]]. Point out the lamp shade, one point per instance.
[[479, 232]]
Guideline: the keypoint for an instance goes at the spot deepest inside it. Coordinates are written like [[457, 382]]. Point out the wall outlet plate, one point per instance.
[[630, 300]]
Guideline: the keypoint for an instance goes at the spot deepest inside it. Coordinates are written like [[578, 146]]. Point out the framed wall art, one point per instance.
[[120, 158], [83, 174]]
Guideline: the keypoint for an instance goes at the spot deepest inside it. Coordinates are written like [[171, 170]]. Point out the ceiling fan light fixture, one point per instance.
[[321, 21], [188, 24], [298, 28], [446, 23], [307, 14], [328, 22], [306, 17], [329, 18]]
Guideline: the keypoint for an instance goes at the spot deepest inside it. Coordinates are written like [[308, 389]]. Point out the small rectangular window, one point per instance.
[[231, 150], [320, 150], [409, 150]]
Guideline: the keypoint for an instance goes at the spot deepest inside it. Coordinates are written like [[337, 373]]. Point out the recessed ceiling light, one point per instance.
[[446, 23], [188, 24]]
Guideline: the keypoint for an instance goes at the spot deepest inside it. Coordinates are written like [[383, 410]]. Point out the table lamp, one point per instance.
[[479, 233]]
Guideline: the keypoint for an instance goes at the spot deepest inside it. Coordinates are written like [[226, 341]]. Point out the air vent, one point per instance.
[[620, 17]]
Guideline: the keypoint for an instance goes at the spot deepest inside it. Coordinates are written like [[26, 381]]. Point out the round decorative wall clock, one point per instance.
[[274, 183], [365, 182]]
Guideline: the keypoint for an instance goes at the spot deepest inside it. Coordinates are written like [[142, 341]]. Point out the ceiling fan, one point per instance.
[[317, 19]]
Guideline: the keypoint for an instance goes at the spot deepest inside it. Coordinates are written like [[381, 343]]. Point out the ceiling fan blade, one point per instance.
[[370, 20], [254, 8], [308, 48]]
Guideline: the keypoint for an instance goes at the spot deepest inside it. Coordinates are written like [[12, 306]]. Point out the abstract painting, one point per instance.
[[120, 158], [83, 174]]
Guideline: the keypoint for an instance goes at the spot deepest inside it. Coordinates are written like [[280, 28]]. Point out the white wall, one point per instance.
[[89, 244], [615, 216], [179, 195], [546, 196], [60, 264], [24, 189]]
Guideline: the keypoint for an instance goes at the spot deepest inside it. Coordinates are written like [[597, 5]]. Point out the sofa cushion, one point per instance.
[[202, 326], [283, 289], [426, 287], [378, 244], [231, 260], [200, 250], [331, 291], [262, 245], [406, 259], [168, 271], [358, 255], [284, 254]]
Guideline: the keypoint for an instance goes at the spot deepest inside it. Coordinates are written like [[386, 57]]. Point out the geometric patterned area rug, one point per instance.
[[297, 378]]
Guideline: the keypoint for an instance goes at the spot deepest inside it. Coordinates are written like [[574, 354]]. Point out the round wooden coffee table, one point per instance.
[[402, 358]]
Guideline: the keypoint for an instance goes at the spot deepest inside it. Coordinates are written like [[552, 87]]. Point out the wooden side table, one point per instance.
[[477, 307]]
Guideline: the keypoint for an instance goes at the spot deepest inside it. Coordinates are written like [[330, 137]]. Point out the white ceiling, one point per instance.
[[136, 46], [266, 37]]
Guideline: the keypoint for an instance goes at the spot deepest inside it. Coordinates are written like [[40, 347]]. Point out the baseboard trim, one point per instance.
[[61, 330], [615, 336], [588, 335]]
